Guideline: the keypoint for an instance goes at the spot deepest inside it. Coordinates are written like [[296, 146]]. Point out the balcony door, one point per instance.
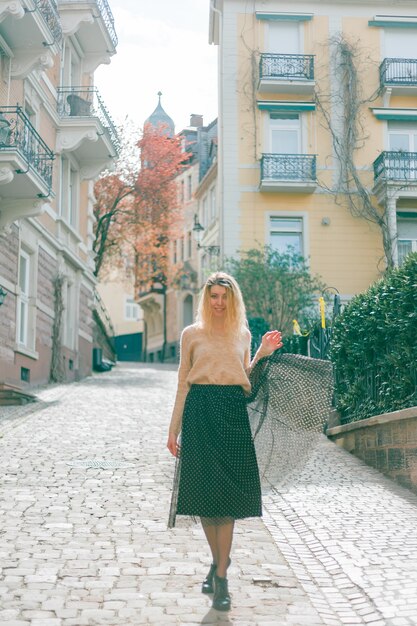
[[400, 43], [284, 38], [407, 235], [285, 133], [402, 138]]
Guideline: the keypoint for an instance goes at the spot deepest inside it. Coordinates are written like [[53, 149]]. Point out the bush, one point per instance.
[[276, 287], [374, 347]]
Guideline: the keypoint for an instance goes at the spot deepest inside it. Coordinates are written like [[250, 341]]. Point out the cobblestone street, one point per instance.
[[89, 545]]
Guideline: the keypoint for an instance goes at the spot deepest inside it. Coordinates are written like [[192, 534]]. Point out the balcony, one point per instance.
[[86, 129], [93, 24], [294, 173], [396, 166], [399, 76], [398, 171], [26, 165], [286, 73], [24, 152], [31, 29]]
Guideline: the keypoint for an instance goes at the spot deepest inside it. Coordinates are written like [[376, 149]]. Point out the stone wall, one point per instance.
[[387, 442]]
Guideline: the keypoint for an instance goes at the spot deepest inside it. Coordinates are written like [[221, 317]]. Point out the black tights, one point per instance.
[[219, 534]]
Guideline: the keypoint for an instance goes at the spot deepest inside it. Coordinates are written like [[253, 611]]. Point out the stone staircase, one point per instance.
[[12, 396]]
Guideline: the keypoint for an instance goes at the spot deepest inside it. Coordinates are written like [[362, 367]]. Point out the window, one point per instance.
[[212, 203], [73, 197], [286, 234], [398, 42], [284, 133], [189, 244], [70, 72], [69, 192], [189, 187], [182, 248], [407, 235], [283, 37], [205, 212], [174, 252], [402, 138], [182, 194], [23, 303], [131, 309]]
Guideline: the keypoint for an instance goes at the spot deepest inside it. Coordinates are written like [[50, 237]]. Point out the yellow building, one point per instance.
[[56, 136], [318, 132]]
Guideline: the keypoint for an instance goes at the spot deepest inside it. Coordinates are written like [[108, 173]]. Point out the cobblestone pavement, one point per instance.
[[89, 545]]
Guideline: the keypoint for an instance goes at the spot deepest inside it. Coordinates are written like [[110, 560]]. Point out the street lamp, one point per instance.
[[198, 230], [3, 294]]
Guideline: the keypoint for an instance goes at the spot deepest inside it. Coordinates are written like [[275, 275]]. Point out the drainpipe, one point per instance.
[[220, 176]]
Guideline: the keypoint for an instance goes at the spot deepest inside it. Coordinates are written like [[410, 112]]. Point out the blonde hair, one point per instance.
[[236, 320]]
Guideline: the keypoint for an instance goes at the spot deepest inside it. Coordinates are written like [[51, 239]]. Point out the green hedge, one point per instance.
[[374, 347]]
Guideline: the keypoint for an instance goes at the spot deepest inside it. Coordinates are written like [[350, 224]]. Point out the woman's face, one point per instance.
[[218, 300]]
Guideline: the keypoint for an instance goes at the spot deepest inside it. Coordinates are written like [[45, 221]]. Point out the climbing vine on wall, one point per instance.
[[57, 372], [342, 113]]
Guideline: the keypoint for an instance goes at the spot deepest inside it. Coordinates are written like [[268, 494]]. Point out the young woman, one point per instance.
[[217, 476]]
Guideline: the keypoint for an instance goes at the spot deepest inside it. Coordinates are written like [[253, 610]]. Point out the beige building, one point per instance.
[[168, 309], [56, 136], [126, 316], [290, 171]]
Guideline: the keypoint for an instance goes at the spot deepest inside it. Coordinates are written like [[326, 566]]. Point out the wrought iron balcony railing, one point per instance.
[[18, 134], [105, 12], [48, 10], [87, 102], [296, 167], [398, 72], [287, 66], [396, 166]]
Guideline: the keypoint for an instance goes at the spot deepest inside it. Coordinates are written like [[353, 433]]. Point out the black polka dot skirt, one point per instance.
[[216, 474]]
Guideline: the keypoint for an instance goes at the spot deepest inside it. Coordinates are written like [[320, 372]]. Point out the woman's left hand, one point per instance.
[[271, 341]]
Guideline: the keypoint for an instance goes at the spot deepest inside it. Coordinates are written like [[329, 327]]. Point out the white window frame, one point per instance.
[[189, 187], [300, 29], [132, 310], [69, 200], [407, 129], [412, 240], [290, 215], [213, 207], [204, 211], [271, 123], [70, 60], [189, 244], [23, 308], [70, 317]]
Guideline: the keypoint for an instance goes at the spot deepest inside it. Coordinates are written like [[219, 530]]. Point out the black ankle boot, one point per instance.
[[221, 600], [207, 586]]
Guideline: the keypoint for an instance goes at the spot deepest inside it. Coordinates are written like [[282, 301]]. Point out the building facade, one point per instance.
[[317, 132], [56, 136], [167, 309]]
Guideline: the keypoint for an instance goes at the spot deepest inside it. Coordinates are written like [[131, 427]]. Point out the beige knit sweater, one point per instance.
[[209, 360]]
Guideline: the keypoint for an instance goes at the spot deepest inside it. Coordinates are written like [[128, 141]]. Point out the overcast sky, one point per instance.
[[163, 46]]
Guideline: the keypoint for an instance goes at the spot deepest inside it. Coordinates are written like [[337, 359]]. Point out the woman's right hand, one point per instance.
[[173, 444]]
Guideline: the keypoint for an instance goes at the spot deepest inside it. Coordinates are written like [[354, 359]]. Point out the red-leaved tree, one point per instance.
[[137, 211]]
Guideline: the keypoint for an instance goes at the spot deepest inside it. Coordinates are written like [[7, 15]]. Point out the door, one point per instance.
[[402, 138]]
